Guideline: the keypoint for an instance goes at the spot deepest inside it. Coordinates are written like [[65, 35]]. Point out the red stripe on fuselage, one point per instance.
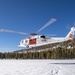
[[32, 41]]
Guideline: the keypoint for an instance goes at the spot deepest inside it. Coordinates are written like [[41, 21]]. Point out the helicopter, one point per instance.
[[34, 40]]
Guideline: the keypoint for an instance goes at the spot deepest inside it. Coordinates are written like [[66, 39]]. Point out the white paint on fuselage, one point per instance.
[[49, 41], [41, 41]]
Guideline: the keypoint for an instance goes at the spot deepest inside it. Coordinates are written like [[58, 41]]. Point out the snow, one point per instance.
[[37, 67]]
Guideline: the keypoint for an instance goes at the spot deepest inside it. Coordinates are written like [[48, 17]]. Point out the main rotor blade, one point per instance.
[[47, 24], [11, 31]]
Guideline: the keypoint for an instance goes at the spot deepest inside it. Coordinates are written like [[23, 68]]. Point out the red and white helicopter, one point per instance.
[[34, 39]]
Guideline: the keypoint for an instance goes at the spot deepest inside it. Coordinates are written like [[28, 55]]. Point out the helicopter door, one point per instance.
[[32, 41]]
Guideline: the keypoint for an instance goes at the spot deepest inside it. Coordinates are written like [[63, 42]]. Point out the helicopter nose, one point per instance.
[[19, 44]]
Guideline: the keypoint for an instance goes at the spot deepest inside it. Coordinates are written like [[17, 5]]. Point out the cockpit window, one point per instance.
[[26, 41], [22, 41]]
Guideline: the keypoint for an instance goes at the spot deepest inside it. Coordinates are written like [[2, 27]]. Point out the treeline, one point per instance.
[[58, 53]]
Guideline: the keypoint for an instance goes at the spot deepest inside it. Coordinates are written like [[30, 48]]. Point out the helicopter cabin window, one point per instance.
[[43, 36], [32, 41]]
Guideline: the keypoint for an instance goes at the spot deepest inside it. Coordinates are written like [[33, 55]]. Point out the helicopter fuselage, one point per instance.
[[38, 40]]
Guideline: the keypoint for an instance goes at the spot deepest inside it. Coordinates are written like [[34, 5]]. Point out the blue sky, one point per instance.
[[30, 15]]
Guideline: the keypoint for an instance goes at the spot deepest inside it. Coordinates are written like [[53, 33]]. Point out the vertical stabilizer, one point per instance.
[[70, 35]]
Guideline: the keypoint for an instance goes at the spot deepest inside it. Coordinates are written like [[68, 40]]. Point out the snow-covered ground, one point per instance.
[[37, 67]]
